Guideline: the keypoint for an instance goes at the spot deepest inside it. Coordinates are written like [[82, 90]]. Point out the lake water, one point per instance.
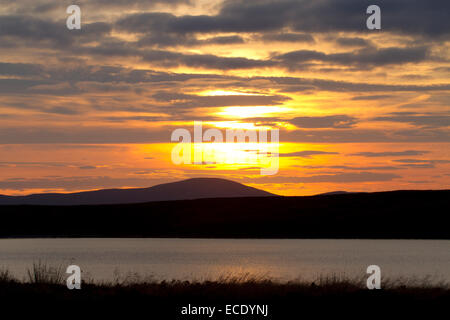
[[107, 259]]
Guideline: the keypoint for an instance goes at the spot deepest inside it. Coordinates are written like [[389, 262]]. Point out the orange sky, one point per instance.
[[357, 110]]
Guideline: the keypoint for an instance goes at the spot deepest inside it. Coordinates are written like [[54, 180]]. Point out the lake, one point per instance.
[[108, 259]]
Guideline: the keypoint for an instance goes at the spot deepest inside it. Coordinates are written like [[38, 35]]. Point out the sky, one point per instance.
[[356, 109]]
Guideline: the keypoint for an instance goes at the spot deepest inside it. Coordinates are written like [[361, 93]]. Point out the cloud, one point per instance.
[[19, 69], [306, 153], [223, 40], [106, 134], [287, 37], [420, 163], [413, 17], [163, 40], [362, 58], [350, 177], [365, 135], [353, 42], [194, 101], [286, 83], [46, 6], [83, 134], [336, 121], [207, 61], [372, 97], [390, 153], [355, 168], [300, 59], [87, 167], [62, 110], [423, 120], [29, 31], [77, 183], [33, 164], [114, 75]]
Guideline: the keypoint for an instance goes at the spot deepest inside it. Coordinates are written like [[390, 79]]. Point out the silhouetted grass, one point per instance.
[[6, 276], [43, 273], [332, 296]]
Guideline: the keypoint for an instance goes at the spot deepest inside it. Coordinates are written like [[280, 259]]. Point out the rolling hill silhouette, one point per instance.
[[196, 188], [380, 215]]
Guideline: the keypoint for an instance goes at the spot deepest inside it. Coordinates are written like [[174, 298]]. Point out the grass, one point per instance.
[[6, 276], [334, 296], [43, 273]]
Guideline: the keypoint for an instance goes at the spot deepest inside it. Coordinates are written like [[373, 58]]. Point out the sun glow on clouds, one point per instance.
[[249, 112], [226, 93], [241, 112], [129, 80]]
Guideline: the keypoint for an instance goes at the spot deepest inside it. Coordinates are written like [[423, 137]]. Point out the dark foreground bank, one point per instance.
[[392, 215], [329, 299]]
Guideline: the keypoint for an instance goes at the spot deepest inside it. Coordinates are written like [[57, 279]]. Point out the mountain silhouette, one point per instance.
[[196, 188]]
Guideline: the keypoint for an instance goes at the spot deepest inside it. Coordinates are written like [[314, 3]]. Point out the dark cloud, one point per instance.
[[62, 110], [390, 153], [287, 83], [116, 74], [33, 164], [44, 6], [301, 59], [335, 121], [106, 134], [306, 153], [77, 183], [87, 167], [288, 37], [373, 97], [10, 86], [163, 40], [400, 16], [353, 42], [346, 177], [417, 119], [419, 161], [222, 40], [354, 168], [136, 118], [82, 134], [363, 58], [19, 69], [29, 31], [132, 3], [194, 101], [207, 61], [365, 135], [31, 28]]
